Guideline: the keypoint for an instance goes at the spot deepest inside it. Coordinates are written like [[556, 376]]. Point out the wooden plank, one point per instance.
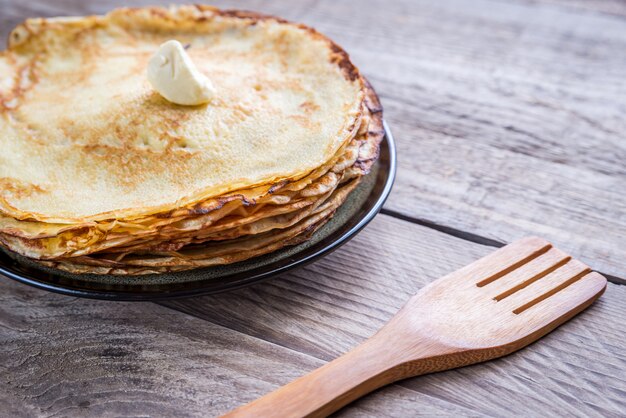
[[611, 7], [66, 356], [62, 356], [509, 115], [328, 308]]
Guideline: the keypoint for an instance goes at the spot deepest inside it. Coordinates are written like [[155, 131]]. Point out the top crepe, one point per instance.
[[83, 137]]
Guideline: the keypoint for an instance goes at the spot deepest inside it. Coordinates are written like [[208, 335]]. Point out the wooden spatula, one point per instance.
[[486, 310]]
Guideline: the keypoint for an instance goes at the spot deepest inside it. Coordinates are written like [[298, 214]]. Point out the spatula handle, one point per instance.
[[383, 359], [328, 388]]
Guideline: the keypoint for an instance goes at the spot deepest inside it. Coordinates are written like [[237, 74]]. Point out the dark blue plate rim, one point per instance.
[[75, 287]]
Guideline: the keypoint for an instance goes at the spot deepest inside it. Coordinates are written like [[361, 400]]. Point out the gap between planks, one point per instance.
[[471, 237]]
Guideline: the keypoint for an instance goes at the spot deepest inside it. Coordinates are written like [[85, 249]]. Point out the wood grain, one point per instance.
[[328, 308], [452, 322], [62, 356], [611, 7], [69, 357], [508, 116]]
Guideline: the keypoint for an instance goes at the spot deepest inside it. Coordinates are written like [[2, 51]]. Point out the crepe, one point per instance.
[[99, 174], [206, 255], [84, 136]]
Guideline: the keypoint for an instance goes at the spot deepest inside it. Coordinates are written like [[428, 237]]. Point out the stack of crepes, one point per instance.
[[99, 174]]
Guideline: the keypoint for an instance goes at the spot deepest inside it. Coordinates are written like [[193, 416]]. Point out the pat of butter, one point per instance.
[[175, 77]]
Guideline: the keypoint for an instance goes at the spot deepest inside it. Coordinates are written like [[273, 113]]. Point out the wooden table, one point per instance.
[[510, 118]]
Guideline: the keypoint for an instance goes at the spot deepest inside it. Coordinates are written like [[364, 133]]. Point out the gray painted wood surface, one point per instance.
[[66, 356], [509, 117]]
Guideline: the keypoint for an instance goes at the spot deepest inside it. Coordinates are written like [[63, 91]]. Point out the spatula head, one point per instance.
[[507, 299], [490, 308]]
